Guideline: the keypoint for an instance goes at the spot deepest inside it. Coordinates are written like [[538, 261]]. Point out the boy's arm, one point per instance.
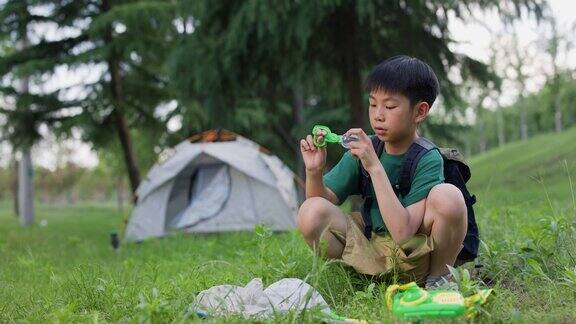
[[429, 173], [401, 222], [315, 187]]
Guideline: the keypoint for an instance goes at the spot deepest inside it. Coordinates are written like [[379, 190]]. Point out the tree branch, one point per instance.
[[286, 138]]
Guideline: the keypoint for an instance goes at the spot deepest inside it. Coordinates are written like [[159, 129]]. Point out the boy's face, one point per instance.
[[392, 118]]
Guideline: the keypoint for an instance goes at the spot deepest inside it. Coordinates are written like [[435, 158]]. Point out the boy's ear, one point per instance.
[[421, 111]]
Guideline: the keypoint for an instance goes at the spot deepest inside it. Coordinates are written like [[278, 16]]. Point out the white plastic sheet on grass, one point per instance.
[[285, 295]]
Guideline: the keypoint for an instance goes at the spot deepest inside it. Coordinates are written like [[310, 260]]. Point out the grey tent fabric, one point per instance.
[[214, 187], [210, 191]]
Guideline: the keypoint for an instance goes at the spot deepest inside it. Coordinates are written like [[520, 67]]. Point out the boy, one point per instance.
[[420, 233]]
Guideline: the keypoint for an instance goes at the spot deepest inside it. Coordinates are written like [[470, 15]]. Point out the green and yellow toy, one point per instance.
[[412, 302], [330, 137]]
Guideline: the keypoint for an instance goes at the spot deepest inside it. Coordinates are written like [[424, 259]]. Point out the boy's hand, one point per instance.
[[314, 157], [363, 150]]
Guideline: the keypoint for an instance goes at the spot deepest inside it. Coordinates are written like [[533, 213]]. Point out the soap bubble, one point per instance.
[[346, 139]]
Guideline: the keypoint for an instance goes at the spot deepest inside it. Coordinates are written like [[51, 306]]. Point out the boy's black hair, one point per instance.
[[405, 75]]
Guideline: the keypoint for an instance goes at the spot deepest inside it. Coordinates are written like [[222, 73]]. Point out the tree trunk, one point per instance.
[[553, 50], [481, 132], [298, 115], [119, 118], [25, 189], [523, 118], [523, 124], [521, 80], [558, 113], [25, 184], [500, 128], [128, 151], [482, 136], [348, 27], [14, 183]]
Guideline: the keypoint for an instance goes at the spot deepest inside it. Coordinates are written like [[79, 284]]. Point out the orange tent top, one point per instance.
[[220, 135]]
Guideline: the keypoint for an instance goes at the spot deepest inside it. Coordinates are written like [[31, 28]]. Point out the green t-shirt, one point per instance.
[[344, 180]]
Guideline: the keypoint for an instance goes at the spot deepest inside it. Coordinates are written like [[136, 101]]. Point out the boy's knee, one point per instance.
[[447, 202], [312, 215]]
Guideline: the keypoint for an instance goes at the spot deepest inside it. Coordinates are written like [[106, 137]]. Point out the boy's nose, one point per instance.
[[380, 114]]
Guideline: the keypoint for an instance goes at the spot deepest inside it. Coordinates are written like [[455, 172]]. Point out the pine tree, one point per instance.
[[122, 42], [259, 53]]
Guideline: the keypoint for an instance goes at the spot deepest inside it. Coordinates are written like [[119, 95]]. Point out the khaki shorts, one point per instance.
[[381, 256]]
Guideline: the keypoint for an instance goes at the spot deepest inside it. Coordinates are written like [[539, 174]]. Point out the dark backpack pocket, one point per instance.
[[453, 175]]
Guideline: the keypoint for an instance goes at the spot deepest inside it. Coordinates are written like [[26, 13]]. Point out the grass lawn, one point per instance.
[[63, 268]]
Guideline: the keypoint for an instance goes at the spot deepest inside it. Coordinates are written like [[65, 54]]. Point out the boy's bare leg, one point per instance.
[[315, 218], [445, 219]]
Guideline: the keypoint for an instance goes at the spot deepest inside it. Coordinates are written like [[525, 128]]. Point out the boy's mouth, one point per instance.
[[380, 130]]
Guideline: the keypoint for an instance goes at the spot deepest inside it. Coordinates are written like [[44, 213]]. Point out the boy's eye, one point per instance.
[[391, 107]]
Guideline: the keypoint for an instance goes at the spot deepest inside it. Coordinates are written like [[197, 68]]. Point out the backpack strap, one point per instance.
[[365, 182], [420, 147], [415, 152]]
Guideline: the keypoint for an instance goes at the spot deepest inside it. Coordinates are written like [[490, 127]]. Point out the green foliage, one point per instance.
[[5, 184], [246, 63]]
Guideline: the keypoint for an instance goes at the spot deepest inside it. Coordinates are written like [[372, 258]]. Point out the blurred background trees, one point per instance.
[[134, 77]]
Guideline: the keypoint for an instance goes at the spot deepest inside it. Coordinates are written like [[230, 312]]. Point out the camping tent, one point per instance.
[[215, 181]]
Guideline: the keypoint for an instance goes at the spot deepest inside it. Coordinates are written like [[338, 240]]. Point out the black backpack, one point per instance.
[[456, 172]]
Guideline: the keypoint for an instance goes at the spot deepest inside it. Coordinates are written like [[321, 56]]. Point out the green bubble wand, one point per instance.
[[330, 137]]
